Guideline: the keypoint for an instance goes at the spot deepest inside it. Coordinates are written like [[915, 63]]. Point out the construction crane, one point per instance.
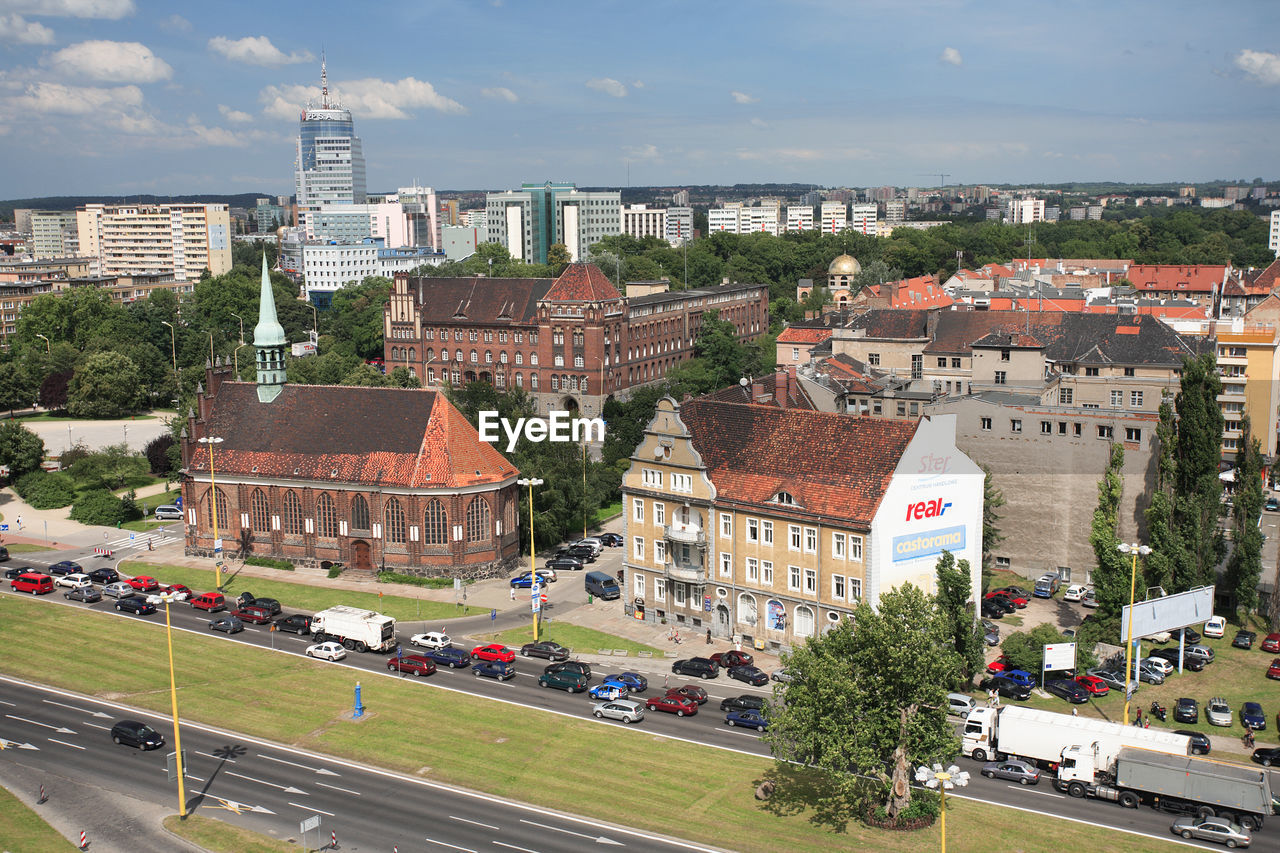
[[942, 176]]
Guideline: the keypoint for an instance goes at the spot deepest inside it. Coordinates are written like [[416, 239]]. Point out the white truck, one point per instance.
[[1173, 783], [992, 733], [358, 630]]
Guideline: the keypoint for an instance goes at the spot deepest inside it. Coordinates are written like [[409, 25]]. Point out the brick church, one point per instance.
[[370, 478]]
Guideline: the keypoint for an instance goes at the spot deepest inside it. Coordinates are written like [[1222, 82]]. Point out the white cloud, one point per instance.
[[743, 98], [218, 137], [256, 50], [1260, 65], [608, 85], [634, 153], [759, 122], [501, 93], [366, 98], [639, 84], [110, 61], [176, 23], [951, 56], [58, 99], [237, 116], [16, 29], [111, 9]]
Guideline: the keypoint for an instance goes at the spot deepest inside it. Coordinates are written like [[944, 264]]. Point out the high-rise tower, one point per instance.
[[330, 165]]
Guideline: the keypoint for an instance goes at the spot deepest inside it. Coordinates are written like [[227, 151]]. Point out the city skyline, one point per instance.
[[127, 96]]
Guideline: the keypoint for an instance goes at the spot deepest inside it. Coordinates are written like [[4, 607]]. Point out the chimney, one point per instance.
[[757, 390]]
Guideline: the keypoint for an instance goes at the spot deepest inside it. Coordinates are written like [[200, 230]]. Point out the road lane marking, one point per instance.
[[311, 808], [288, 789], [97, 714], [514, 847], [450, 846], [10, 704], [64, 743], [320, 770], [336, 788], [59, 729], [599, 839], [96, 726], [474, 822], [1033, 791]]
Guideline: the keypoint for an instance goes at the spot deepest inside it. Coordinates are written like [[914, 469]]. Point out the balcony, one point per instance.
[[685, 572], [688, 534]]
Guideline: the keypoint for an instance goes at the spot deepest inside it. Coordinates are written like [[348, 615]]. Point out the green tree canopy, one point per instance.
[[106, 385], [21, 450]]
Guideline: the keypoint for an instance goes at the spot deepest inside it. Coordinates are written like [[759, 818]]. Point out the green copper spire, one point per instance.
[[268, 338]]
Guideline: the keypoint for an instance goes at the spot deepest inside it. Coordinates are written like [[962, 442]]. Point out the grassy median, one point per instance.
[[579, 766], [24, 831], [583, 641], [218, 836]]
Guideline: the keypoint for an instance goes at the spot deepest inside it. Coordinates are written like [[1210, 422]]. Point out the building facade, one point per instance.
[[530, 220], [833, 217], [679, 225], [330, 166], [640, 221], [1274, 242], [862, 218], [799, 217], [54, 234], [135, 239]]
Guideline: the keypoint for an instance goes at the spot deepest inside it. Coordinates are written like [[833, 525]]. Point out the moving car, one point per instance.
[[144, 583], [168, 512], [692, 692], [524, 580], [672, 703], [1244, 639], [430, 640], [175, 592], [633, 681], [564, 679], [608, 691], [329, 650], [1015, 770], [253, 613], [750, 674], [571, 665], [1068, 690], [13, 571], [1266, 755], [498, 669], [1186, 710], [960, 704], [1218, 712], [210, 602], [268, 604], [449, 656], [1251, 715], [104, 576], [1272, 504], [742, 703], [1199, 742], [119, 589], [294, 623], [564, 564], [87, 594], [732, 658], [493, 652], [1075, 592], [135, 605], [619, 709], [700, 667], [1217, 829], [747, 719], [138, 734], [65, 567], [32, 582], [227, 624], [611, 540], [1215, 626], [415, 665], [545, 649], [77, 580]]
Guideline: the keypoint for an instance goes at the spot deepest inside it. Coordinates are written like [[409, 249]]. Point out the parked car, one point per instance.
[[119, 589], [1160, 637], [65, 567], [524, 580], [87, 594], [782, 676], [77, 580], [295, 623], [999, 602], [1273, 671], [991, 610], [1150, 673], [745, 702], [1215, 626], [227, 624], [136, 734], [493, 652], [1046, 585], [135, 605], [1075, 592], [564, 564], [1217, 829], [1068, 690], [1171, 657], [415, 665], [1251, 715], [1006, 687], [328, 650], [1199, 742], [253, 613], [1266, 755], [700, 667], [1191, 634], [1093, 684], [1021, 676], [430, 640], [1186, 710], [749, 674], [449, 656], [1218, 712], [498, 669], [1244, 639], [1000, 664], [1272, 504], [544, 649], [1015, 770], [1163, 666], [144, 583], [990, 633], [571, 665], [573, 682], [619, 709], [1090, 598], [104, 576], [633, 681], [1199, 651], [579, 552], [1020, 597], [1112, 678], [611, 540], [960, 704], [732, 658], [608, 691], [1271, 643], [692, 692], [747, 719], [672, 703]]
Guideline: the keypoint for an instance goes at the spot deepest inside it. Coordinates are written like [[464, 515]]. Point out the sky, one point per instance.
[[146, 96]]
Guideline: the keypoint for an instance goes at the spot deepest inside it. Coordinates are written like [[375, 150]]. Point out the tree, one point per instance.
[[98, 506], [53, 390], [21, 450], [992, 500], [105, 386], [870, 700], [1198, 448], [157, 454], [17, 390], [1111, 578], [558, 256], [356, 315], [109, 468], [1162, 536], [963, 630], [400, 378], [1025, 649], [1244, 567]]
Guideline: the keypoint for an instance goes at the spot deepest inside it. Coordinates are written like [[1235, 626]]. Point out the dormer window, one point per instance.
[[784, 498]]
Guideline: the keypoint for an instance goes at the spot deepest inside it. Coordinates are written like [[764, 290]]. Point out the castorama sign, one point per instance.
[[933, 504]]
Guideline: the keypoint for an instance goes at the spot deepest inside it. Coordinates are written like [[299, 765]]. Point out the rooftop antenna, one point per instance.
[[324, 81]]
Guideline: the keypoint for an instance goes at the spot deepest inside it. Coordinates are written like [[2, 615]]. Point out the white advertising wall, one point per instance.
[[933, 503]]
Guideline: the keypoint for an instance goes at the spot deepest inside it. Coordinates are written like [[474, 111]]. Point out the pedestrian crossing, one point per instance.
[[139, 540]]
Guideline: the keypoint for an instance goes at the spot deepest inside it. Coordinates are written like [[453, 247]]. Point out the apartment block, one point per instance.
[[799, 217], [833, 217], [134, 239], [53, 234]]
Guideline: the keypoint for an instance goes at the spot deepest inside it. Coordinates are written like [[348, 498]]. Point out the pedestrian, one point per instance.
[[1137, 721], [19, 522], [991, 698], [708, 636], [1146, 723], [513, 593], [1074, 712]]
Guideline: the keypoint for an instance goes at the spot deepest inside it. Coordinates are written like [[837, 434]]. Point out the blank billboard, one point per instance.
[[1167, 613]]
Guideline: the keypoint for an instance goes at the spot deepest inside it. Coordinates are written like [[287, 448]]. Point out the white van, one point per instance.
[[960, 704]]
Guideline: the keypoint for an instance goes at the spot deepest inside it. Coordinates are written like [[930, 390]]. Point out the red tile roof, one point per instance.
[[1176, 278], [1267, 280], [803, 335], [920, 292], [582, 283], [754, 452], [332, 433], [765, 391]]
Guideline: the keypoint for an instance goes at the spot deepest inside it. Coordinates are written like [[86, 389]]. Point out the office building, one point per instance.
[[53, 234], [640, 221], [330, 161], [132, 239], [530, 220]]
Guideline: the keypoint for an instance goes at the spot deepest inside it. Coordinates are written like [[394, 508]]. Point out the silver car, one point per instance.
[[619, 709], [1150, 674], [119, 589], [1218, 712], [1216, 829], [1022, 772]]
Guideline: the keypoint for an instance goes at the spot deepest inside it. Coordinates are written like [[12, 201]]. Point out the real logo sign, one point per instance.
[[927, 509]]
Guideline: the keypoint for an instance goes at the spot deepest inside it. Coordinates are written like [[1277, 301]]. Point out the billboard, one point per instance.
[[1059, 656], [1167, 613]]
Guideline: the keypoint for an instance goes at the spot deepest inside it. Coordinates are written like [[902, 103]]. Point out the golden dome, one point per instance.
[[844, 265]]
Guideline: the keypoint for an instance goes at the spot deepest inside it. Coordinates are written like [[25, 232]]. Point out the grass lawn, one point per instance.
[[24, 548], [148, 505], [581, 640], [605, 513], [21, 829], [482, 745], [219, 836], [304, 596]]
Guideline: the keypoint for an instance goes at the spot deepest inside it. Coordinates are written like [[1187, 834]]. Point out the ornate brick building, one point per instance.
[[571, 342], [368, 477]]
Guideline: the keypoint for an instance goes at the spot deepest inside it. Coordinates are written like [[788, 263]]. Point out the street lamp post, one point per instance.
[[315, 321], [533, 560], [1133, 550], [173, 347], [943, 781], [211, 441], [235, 355], [47, 348], [68, 437], [173, 698]]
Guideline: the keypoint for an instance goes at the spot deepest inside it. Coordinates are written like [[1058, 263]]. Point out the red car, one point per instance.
[[1273, 671], [493, 651], [180, 592], [144, 583], [672, 703], [412, 664], [732, 658], [1093, 684], [1019, 600], [692, 692], [1000, 664], [253, 613], [1271, 643]]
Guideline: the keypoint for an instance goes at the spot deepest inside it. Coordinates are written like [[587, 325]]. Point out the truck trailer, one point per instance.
[[992, 733], [358, 630], [1173, 783]]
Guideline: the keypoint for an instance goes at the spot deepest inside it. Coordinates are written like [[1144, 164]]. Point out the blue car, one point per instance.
[[1251, 715], [634, 682], [608, 691], [748, 719], [448, 656], [1020, 676], [494, 669], [65, 567]]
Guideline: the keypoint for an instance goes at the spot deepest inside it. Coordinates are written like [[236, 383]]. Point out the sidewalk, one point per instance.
[[49, 527]]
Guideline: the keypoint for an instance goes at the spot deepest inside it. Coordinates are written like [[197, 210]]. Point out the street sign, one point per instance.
[[310, 823], [171, 765], [537, 604], [457, 583], [4, 528], [543, 598], [217, 546], [493, 614]]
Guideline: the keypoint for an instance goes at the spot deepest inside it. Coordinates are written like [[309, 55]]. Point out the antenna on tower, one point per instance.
[[324, 81]]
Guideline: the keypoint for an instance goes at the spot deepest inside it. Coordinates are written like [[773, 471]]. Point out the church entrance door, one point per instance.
[[361, 556]]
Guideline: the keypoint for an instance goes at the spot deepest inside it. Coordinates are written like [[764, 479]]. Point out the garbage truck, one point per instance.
[[358, 630]]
